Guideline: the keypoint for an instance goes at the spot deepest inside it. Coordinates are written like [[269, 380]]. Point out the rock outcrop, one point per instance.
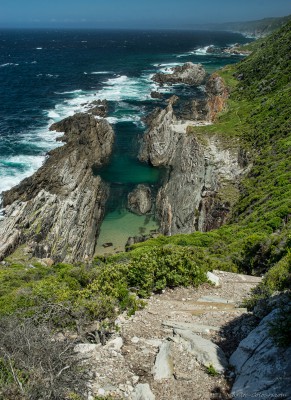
[[217, 94], [57, 211], [189, 73], [156, 95], [204, 170], [262, 369], [140, 200], [99, 108]]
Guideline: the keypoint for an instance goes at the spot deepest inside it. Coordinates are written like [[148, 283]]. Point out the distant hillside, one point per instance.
[[258, 28]]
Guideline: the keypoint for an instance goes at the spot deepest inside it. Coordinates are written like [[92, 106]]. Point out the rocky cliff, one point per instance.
[[56, 212], [203, 169]]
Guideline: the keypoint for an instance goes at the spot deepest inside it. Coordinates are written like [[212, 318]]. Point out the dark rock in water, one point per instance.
[[109, 244], [189, 73], [139, 239], [140, 200], [156, 95], [99, 108], [57, 212]]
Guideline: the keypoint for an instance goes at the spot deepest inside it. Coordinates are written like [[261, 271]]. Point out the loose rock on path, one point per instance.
[[177, 347]]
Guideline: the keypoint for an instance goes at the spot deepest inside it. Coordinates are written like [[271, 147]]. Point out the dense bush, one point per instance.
[[35, 366]]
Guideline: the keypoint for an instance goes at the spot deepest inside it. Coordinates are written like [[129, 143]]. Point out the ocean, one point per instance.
[[47, 75]]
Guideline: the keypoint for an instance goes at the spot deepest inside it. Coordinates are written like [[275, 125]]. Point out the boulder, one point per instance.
[[163, 368], [213, 278], [156, 95], [140, 200], [98, 108]]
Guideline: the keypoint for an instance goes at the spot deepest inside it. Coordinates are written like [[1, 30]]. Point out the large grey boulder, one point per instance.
[[262, 369], [140, 200], [163, 368]]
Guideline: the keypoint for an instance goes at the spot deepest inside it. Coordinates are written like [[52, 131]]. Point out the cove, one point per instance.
[[123, 173]]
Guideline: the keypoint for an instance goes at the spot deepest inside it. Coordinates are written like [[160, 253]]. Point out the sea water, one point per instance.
[[46, 76]]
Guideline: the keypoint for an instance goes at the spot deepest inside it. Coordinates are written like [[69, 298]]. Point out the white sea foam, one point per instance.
[[53, 114], [172, 64], [201, 51], [39, 48], [8, 65], [10, 169], [101, 73], [70, 92], [119, 89]]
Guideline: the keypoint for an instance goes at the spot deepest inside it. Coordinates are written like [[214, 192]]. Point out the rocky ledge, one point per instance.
[[189, 73], [56, 213], [204, 170]]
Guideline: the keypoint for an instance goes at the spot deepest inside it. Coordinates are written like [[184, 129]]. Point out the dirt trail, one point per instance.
[[159, 346]]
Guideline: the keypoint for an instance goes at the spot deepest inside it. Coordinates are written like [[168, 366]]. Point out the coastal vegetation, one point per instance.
[[257, 240]]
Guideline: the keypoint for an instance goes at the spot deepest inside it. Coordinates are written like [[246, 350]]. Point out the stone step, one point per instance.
[[190, 326], [215, 299]]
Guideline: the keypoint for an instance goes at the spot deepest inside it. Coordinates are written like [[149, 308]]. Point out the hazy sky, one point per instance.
[[134, 13]]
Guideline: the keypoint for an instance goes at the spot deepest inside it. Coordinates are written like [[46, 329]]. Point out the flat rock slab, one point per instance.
[[206, 352], [163, 368], [215, 299], [143, 392], [191, 327]]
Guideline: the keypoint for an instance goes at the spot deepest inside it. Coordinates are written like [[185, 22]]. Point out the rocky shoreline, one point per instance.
[[57, 213], [204, 170]]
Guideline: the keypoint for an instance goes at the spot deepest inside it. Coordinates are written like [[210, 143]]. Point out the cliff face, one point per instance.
[[204, 170], [217, 95], [57, 211]]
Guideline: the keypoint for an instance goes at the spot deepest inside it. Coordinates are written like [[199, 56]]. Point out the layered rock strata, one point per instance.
[[203, 169], [57, 212], [189, 73]]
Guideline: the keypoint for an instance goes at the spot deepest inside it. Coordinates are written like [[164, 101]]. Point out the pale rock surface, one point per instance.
[[213, 278], [143, 392], [190, 327], [163, 368], [262, 369]]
